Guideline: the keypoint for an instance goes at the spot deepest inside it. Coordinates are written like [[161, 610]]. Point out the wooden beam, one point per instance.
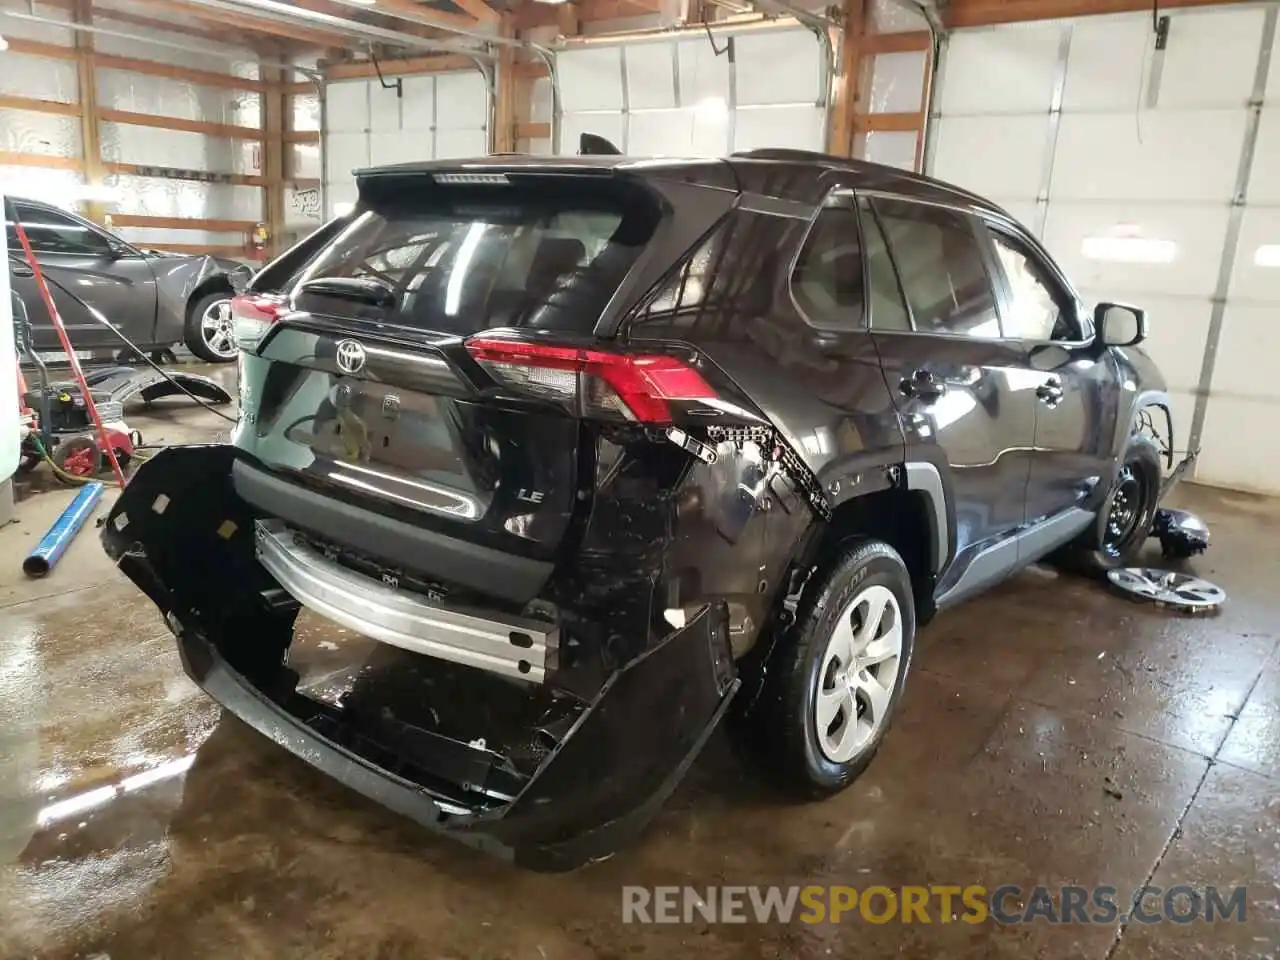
[[276, 117], [398, 68], [152, 23], [421, 14], [480, 10], [533, 131], [213, 250], [531, 69], [11, 158], [301, 136], [908, 42], [982, 13], [851, 79], [90, 145], [505, 106], [887, 122], [179, 123], [238, 179], [182, 223], [153, 68], [315, 36], [37, 49], [40, 106]]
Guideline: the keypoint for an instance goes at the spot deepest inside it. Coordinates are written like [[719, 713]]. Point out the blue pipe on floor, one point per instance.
[[41, 560]]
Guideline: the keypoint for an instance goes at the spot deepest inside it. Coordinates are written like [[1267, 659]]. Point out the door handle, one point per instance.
[[922, 385], [21, 270], [1050, 391]]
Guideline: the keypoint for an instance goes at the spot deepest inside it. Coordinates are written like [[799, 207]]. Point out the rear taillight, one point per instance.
[[252, 315], [593, 382]]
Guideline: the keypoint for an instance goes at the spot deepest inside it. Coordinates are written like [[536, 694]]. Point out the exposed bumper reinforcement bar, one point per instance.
[[180, 532], [515, 647]]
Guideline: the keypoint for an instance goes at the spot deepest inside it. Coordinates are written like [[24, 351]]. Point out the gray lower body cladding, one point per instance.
[[606, 762]]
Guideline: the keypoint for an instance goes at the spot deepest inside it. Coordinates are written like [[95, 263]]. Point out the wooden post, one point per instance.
[[90, 143], [851, 80], [505, 109], [275, 121]]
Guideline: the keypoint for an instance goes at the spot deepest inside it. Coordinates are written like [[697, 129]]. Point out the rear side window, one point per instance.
[[941, 267], [827, 279], [464, 259], [888, 312]]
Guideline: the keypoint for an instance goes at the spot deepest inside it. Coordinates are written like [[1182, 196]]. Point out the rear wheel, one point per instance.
[[209, 333], [836, 677]]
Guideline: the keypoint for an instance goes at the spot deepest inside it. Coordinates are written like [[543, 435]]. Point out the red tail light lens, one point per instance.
[[593, 382], [252, 315]]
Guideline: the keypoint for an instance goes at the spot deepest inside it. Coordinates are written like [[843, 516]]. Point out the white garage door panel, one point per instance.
[[347, 106], [894, 148], [408, 147], [1210, 59], [1257, 269], [384, 110], [651, 75], [1198, 232], [1108, 63], [1247, 352], [1155, 155], [418, 111], [461, 101], [993, 156], [777, 67], [1007, 70], [590, 79], [345, 152], [1273, 77], [797, 128], [703, 75], [573, 125], [664, 133], [1024, 211], [1264, 182], [461, 144], [1241, 446]]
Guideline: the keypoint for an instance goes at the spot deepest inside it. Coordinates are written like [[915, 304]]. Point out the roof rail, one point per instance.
[[785, 153]]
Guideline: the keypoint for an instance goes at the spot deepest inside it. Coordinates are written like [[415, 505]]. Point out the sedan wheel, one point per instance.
[[217, 331]]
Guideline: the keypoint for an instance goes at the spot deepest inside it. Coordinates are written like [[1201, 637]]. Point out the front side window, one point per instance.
[[941, 267], [827, 279], [51, 232], [1036, 311]]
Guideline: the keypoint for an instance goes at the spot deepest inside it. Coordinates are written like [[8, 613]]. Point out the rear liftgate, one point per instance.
[[557, 779]]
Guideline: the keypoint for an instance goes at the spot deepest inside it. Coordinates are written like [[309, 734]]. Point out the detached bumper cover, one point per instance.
[[180, 533]]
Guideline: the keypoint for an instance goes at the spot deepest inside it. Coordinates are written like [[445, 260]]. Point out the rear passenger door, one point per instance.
[[962, 391]]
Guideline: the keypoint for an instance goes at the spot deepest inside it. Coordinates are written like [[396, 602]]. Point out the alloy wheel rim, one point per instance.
[[1125, 511], [216, 329], [860, 669]]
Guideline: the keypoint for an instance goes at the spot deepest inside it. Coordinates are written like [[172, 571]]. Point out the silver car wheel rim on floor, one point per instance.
[[860, 669], [216, 328], [1168, 588]]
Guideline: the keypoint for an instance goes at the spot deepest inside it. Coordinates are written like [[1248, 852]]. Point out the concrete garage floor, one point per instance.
[[1024, 708]]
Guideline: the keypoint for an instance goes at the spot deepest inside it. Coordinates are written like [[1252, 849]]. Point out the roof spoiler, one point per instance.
[[590, 145]]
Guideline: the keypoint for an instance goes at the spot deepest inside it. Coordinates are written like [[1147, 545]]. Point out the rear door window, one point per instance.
[[464, 259], [827, 279], [942, 269]]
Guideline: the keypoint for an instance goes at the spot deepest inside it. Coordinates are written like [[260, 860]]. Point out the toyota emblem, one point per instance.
[[351, 357]]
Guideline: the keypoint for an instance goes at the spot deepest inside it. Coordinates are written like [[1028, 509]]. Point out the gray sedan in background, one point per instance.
[[157, 300]]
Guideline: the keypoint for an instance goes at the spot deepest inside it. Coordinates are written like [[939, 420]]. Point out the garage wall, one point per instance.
[[692, 96], [1133, 166], [439, 116]]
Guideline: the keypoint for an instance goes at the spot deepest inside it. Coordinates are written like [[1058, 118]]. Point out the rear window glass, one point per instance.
[[464, 259]]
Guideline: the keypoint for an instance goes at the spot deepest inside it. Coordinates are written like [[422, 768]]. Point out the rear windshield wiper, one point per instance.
[[351, 288]]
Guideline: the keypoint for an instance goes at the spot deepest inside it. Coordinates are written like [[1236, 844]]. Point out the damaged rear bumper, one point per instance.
[[607, 762]]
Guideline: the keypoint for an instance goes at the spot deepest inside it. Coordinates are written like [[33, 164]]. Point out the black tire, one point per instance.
[[1107, 544], [194, 334], [782, 730]]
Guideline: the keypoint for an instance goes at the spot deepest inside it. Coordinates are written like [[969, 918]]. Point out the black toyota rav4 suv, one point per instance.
[[617, 449]]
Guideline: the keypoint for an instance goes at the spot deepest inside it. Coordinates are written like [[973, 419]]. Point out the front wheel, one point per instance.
[[837, 675], [209, 332], [1125, 518]]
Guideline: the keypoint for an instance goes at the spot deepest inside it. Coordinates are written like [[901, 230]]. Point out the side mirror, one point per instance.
[[1119, 325]]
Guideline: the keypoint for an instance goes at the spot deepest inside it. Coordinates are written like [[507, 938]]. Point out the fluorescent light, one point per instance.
[[550, 2], [1267, 255], [1129, 250], [342, 207]]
